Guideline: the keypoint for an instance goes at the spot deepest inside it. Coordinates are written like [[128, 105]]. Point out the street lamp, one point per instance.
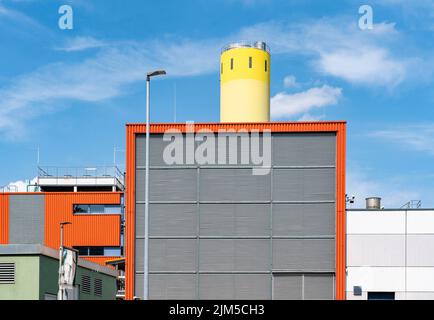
[[149, 75], [62, 224]]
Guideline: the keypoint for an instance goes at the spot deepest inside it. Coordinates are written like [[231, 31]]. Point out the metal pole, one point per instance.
[[146, 246], [60, 261]]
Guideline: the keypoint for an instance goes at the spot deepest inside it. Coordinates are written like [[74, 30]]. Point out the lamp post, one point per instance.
[[149, 75], [62, 224]]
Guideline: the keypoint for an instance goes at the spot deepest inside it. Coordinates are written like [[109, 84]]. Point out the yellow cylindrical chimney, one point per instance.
[[245, 83]]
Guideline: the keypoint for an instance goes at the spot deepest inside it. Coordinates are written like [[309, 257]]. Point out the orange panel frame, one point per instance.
[[86, 229], [339, 127], [4, 218]]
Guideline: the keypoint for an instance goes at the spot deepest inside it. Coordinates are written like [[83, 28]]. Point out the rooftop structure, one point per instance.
[[80, 179]]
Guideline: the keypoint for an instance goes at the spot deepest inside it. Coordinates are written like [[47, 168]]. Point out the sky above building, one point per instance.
[[70, 92]]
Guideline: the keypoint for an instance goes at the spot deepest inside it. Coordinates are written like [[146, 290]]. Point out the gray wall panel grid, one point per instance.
[[233, 185], [168, 220], [288, 287], [304, 219], [315, 184], [304, 149], [26, 219], [167, 185], [234, 286], [226, 220], [234, 255], [172, 286], [221, 232], [304, 254]]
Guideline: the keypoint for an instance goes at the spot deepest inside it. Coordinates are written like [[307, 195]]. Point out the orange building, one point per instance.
[[96, 215], [218, 231]]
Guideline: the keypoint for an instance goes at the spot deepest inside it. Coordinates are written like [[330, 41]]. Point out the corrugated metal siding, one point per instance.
[[100, 260], [234, 286], [235, 219], [86, 230], [26, 219], [4, 218], [337, 129], [172, 286], [288, 287]]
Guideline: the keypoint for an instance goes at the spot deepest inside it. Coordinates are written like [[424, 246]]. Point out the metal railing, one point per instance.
[[81, 172], [412, 204], [9, 188], [246, 44]]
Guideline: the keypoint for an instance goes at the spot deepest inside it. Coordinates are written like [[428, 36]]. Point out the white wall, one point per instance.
[[391, 251]]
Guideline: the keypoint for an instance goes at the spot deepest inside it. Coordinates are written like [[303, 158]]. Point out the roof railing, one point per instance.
[[81, 172], [261, 45]]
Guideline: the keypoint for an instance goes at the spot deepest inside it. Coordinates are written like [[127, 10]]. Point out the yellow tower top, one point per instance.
[[245, 83]]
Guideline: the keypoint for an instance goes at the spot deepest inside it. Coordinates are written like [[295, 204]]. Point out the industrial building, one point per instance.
[[90, 199], [220, 232], [29, 272], [390, 253]]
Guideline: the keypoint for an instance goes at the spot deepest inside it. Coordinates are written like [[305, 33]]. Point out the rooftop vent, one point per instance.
[[373, 203]]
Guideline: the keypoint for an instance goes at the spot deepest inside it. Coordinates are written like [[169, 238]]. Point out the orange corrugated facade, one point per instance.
[[336, 126], [86, 230], [4, 218], [90, 230], [100, 260]]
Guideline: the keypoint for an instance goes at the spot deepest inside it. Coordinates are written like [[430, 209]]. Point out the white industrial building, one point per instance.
[[390, 253]]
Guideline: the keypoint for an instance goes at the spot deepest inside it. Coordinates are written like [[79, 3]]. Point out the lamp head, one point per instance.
[[155, 73]]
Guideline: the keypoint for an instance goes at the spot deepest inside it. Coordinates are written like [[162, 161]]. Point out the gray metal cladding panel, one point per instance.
[[234, 286], [172, 286], [138, 285], [167, 185], [304, 219], [156, 146], [234, 220], [172, 255], [304, 184], [26, 219], [304, 254], [139, 254], [318, 287], [172, 219], [233, 185], [234, 255], [304, 149], [288, 287]]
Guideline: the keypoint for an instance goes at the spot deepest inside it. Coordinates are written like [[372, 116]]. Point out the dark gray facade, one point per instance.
[[26, 219], [219, 232]]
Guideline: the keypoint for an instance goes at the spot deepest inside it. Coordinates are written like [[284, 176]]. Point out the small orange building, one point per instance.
[[96, 218]]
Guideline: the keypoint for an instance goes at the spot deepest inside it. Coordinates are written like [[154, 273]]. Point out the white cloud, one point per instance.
[[20, 185], [285, 105], [333, 46], [418, 137], [290, 81], [81, 43], [367, 66]]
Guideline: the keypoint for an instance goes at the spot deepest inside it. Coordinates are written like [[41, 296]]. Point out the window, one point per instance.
[[232, 63], [381, 295], [97, 209], [250, 62], [266, 65], [85, 284], [7, 273], [99, 251], [97, 287]]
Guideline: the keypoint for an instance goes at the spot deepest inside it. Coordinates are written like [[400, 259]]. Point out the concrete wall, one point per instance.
[[391, 251], [219, 232], [26, 286]]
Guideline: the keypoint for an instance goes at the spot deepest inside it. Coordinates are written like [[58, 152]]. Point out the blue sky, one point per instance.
[[70, 92]]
